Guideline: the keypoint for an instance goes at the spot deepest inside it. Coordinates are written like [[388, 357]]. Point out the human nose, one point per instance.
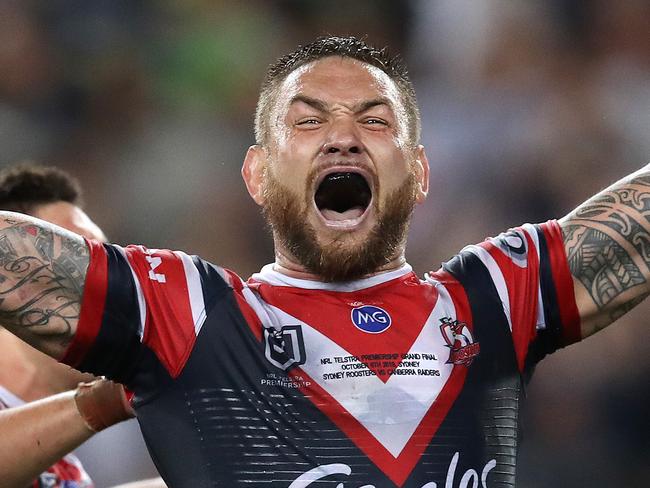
[[342, 139]]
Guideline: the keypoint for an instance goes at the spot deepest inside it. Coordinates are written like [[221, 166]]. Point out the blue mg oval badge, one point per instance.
[[371, 319]]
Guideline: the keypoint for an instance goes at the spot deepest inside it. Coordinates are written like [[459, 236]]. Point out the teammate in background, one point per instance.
[[335, 365], [44, 411]]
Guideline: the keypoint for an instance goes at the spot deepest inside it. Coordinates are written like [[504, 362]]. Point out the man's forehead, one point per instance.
[[340, 76], [69, 217]]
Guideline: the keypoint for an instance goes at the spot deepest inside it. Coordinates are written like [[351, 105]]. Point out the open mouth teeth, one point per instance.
[[343, 196]]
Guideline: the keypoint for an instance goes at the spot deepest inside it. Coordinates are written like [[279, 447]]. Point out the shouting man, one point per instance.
[[335, 365]]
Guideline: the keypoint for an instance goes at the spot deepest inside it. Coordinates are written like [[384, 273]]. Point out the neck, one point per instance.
[[288, 265]]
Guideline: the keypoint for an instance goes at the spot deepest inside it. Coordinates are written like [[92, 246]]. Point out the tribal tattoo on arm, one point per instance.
[[42, 274], [607, 241]]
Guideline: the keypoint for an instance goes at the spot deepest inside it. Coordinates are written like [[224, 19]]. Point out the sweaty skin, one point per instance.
[[607, 241], [336, 114], [38, 375]]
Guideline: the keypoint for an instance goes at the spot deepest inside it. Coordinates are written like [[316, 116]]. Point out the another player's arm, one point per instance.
[[42, 274], [36, 435], [607, 241], [33, 439]]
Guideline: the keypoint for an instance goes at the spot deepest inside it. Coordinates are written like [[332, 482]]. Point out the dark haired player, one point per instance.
[[37, 436], [336, 365]]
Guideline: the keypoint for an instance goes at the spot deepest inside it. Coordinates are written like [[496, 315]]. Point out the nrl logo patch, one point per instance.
[[462, 348], [284, 348]]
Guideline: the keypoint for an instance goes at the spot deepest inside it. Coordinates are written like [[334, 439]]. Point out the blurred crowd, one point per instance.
[[528, 108]]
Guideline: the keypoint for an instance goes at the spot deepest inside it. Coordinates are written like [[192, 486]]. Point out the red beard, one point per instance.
[[336, 261]]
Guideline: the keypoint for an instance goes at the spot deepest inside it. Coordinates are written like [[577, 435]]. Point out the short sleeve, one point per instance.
[[529, 270], [138, 301]]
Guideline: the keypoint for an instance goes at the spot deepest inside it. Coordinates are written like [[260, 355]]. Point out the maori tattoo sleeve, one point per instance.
[[42, 273], [607, 240]]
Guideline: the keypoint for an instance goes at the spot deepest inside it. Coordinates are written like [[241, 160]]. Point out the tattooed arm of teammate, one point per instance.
[[607, 241], [42, 274]]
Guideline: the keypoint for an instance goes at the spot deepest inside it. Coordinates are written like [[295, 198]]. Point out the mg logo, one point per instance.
[[371, 319]]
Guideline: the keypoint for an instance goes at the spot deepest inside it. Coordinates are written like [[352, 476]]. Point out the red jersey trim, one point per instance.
[[92, 305], [169, 329], [251, 318], [458, 296], [563, 280], [522, 284]]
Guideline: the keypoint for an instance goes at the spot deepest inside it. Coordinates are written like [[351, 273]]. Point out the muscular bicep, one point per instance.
[[42, 274], [607, 241]]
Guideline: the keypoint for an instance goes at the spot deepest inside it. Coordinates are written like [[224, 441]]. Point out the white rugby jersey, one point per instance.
[[388, 381]]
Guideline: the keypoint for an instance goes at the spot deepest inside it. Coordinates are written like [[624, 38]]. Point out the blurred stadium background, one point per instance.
[[528, 108]]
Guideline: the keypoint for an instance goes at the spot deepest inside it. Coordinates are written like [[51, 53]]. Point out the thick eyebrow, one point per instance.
[[368, 104], [312, 102], [358, 108]]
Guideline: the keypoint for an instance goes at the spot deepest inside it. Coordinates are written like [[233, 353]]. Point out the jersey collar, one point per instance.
[[270, 276]]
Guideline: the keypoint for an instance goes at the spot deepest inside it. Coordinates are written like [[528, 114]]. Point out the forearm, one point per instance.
[[607, 240], [42, 274], [35, 436]]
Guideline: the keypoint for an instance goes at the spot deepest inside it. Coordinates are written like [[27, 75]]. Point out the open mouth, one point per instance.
[[343, 197]]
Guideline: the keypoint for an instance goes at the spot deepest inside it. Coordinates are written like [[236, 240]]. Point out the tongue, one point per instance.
[[349, 214]]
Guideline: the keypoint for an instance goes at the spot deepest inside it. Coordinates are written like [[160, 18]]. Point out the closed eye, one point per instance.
[[374, 121], [309, 121]]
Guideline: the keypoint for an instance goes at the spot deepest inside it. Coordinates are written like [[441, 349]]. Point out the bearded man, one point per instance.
[[335, 365]]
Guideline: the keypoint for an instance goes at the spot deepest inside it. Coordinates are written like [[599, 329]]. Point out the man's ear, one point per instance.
[[253, 172], [421, 165]]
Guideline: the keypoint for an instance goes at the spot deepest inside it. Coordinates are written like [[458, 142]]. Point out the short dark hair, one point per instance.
[[348, 47], [25, 186]]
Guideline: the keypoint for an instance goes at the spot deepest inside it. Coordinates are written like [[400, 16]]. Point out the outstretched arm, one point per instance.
[[607, 241], [42, 274]]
